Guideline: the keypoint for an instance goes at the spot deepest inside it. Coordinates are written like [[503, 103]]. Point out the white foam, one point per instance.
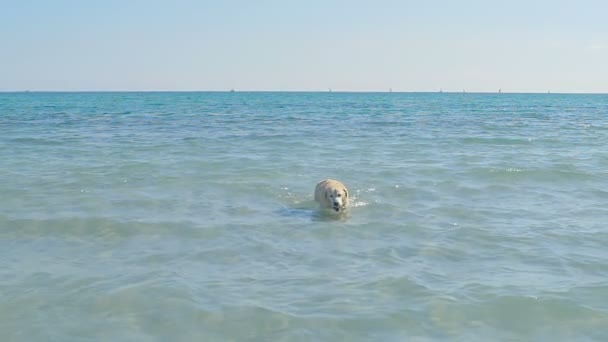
[[359, 204]]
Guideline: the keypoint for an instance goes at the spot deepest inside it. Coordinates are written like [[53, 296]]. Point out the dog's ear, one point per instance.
[[345, 193]]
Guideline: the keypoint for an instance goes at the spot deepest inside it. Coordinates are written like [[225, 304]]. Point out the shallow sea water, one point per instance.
[[189, 216]]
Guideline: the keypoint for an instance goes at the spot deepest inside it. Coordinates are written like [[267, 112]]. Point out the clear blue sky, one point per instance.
[[477, 45]]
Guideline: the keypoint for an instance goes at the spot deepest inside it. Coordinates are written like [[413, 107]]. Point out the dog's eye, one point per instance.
[[332, 196], [339, 195]]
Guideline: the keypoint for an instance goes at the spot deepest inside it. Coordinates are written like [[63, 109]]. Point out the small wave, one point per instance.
[[497, 141], [548, 174], [94, 227], [37, 141], [511, 169]]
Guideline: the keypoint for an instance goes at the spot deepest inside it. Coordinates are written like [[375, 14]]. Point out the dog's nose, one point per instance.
[[336, 204]]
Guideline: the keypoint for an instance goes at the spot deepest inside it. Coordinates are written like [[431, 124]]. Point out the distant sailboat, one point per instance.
[[500, 91], [441, 90], [232, 90], [390, 90]]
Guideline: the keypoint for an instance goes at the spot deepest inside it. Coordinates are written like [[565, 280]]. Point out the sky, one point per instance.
[[312, 45]]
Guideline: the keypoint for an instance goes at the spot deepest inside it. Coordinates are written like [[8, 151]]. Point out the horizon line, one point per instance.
[[329, 91]]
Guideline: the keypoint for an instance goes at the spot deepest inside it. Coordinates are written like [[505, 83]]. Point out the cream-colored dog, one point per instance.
[[331, 194]]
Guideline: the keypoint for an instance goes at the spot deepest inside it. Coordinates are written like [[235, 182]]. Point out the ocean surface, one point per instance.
[[190, 217]]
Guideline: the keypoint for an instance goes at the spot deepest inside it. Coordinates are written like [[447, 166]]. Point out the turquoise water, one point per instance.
[[189, 216]]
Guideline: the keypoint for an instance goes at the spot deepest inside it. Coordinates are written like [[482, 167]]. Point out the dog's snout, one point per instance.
[[336, 204]]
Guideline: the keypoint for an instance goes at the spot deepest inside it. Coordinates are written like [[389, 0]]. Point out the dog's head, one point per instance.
[[337, 198]]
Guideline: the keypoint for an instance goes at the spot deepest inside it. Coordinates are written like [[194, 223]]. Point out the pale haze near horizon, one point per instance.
[[472, 45]]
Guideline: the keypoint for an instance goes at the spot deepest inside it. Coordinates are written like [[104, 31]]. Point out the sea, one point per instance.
[[189, 216]]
